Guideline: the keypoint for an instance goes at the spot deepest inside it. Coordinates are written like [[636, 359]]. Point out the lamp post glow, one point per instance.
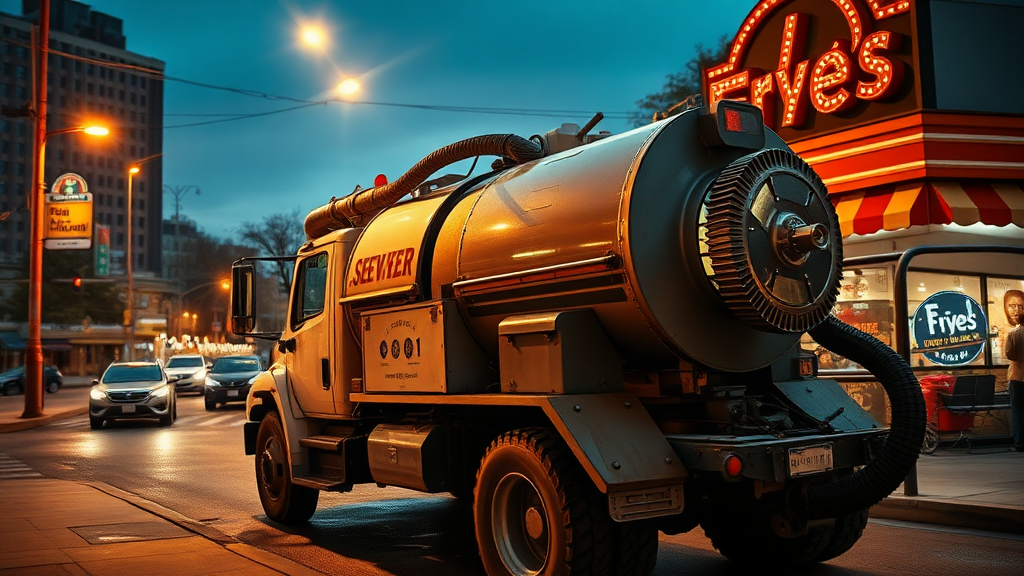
[[349, 86], [224, 284]]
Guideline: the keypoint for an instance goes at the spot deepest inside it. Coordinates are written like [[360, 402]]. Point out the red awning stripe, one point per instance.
[[924, 203]]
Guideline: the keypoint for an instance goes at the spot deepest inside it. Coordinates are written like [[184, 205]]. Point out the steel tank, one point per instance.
[[616, 227]]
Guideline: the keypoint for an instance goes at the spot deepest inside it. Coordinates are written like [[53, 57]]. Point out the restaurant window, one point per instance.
[[1004, 294], [865, 302], [924, 286]]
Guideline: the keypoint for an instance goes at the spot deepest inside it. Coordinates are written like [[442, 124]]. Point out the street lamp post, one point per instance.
[[133, 169], [34, 346]]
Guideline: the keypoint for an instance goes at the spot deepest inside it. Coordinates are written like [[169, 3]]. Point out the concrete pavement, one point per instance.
[[97, 529]]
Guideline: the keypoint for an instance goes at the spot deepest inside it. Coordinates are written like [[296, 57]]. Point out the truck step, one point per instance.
[[330, 444], [322, 483]]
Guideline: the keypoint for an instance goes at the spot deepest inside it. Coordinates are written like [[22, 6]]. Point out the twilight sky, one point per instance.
[[572, 55]]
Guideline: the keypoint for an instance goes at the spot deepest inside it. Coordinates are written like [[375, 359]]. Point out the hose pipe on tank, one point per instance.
[[354, 209], [884, 474]]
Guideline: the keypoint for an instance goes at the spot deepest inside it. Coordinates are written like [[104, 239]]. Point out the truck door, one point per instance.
[[310, 323]]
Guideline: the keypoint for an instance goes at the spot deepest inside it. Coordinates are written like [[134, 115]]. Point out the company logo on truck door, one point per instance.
[[382, 267]]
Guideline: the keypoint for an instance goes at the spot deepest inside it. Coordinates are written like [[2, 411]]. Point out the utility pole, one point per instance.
[[178, 192], [34, 346]]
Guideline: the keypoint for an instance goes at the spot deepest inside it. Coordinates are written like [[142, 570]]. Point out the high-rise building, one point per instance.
[[92, 78]]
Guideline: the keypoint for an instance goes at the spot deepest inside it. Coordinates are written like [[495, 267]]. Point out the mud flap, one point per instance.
[[623, 451]]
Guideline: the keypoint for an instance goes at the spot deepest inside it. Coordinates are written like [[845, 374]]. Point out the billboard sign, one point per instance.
[[68, 214], [817, 66], [102, 250]]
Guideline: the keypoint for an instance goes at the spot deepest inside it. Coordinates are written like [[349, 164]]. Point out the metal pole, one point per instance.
[[34, 347], [131, 276]]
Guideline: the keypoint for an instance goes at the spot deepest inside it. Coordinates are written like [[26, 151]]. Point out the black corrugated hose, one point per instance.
[[344, 212], [884, 474]]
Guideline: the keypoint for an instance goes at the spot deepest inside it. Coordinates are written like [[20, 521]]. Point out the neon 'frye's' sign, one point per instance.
[[846, 67], [950, 328]]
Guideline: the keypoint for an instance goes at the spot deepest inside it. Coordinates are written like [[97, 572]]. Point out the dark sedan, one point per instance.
[[13, 381], [230, 378]]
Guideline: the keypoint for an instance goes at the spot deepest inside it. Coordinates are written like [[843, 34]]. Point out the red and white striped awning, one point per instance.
[[923, 203]]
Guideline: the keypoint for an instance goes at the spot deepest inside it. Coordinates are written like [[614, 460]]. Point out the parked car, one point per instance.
[[191, 370], [230, 378], [12, 382], [133, 390]]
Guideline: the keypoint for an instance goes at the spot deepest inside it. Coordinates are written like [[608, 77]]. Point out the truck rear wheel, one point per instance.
[[847, 531], [283, 501], [535, 512], [748, 538]]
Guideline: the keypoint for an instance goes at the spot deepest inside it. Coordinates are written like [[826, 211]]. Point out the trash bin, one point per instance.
[[944, 420]]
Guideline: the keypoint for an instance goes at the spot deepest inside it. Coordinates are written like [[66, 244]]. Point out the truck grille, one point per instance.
[[127, 395]]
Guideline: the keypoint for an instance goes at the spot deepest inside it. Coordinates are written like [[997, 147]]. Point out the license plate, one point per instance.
[[127, 409], [232, 393], [810, 460]]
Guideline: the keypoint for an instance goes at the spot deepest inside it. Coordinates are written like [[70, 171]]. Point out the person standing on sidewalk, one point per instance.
[[1013, 305]]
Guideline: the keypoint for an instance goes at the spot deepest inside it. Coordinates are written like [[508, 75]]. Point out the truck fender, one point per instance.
[[623, 451], [270, 392]]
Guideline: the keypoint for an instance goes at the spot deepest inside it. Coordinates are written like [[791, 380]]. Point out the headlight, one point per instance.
[[161, 392], [97, 394], [211, 382]]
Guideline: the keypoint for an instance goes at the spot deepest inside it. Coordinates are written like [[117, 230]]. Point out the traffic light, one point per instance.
[[76, 285]]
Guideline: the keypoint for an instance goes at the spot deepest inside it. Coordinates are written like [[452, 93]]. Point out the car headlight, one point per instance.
[[161, 392], [97, 394], [211, 382]]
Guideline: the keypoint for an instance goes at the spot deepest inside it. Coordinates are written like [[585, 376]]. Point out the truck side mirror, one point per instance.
[[243, 313]]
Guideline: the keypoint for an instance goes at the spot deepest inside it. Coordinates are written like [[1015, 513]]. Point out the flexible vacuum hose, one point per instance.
[[884, 474], [354, 208]]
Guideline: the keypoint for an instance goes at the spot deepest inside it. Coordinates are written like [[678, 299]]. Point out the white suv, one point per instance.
[[192, 370]]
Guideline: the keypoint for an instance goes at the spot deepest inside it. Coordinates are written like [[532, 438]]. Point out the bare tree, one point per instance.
[[682, 85], [276, 235]]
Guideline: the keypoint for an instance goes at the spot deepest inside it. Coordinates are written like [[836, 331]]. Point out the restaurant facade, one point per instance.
[[912, 113]]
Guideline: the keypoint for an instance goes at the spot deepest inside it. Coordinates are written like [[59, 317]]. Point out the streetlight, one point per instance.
[[34, 346], [186, 316], [349, 86], [133, 169], [313, 36]]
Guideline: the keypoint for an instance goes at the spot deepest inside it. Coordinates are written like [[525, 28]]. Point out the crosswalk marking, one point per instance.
[[203, 419], [11, 468]]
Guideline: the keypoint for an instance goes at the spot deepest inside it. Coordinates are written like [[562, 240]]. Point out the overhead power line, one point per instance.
[[306, 103]]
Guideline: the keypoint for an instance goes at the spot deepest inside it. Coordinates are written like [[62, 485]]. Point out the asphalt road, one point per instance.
[[197, 468]]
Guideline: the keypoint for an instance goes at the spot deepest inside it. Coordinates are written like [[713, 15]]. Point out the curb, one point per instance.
[[991, 517], [257, 555], [27, 423]]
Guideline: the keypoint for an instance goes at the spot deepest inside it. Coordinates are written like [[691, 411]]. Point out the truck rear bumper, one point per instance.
[[769, 458]]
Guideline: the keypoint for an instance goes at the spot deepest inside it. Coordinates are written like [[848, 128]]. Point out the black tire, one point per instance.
[[847, 531], [167, 419], [95, 423], [12, 389], [534, 509], [52, 386], [210, 404], [637, 544], [743, 533], [282, 500], [931, 440]]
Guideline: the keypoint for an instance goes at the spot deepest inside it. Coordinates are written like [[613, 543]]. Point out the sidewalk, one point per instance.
[[98, 529]]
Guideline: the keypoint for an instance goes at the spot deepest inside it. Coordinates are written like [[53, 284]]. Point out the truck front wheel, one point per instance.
[[283, 501], [536, 512]]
